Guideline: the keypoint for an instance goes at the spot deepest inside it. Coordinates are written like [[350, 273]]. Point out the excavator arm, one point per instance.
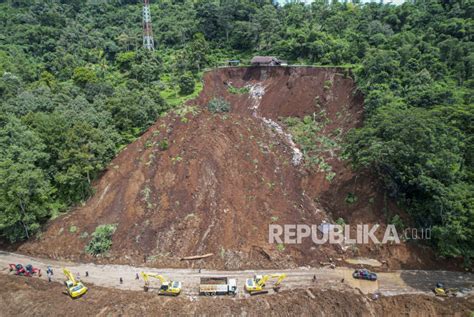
[[146, 277], [280, 278], [261, 282], [70, 276]]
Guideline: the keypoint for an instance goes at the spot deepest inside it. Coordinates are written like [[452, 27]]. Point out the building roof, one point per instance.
[[263, 59]]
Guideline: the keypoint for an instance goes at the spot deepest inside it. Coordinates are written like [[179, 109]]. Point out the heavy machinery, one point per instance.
[[364, 274], [218, 286], [256, 285], [172, 288], [75, 288], [27, 270], [442, 291]]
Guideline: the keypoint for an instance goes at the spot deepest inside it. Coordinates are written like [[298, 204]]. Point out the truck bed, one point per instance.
[[213, 280]]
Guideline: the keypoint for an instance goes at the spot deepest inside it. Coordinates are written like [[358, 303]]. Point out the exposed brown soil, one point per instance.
[[215, 189], [33, 297], [223, 179]]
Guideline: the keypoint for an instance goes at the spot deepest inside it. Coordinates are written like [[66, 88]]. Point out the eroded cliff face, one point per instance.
[[198, 182]]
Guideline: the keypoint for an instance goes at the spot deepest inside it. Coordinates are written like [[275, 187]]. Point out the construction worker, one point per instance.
[[121, 281], [87, 273], [137, 277]]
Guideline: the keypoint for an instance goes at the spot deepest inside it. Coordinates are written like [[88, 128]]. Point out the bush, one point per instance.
[[186, 84], [351, 198], [238, 91], [341, 222], [397, 222], [218, 105], [101, 239], [164, 144]]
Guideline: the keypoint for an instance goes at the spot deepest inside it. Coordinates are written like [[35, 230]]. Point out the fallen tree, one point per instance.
[[197, 257]]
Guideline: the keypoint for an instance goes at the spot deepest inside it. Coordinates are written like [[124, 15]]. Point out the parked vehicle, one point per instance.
[[257, 284], [27, 270], [172, 288], [217, 286], [364, 274]]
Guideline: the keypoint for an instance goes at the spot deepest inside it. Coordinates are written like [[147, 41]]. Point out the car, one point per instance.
[[364, 274]]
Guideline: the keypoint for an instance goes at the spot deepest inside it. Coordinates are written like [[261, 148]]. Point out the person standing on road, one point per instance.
[[121, 280]]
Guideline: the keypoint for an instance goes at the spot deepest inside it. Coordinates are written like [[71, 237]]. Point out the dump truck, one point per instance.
[[217, 286]]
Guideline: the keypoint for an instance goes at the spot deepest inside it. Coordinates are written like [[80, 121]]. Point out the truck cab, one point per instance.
[[232, 286]]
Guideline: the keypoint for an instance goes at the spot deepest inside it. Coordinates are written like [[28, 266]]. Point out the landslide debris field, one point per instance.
[[199, 182], [35, 297]]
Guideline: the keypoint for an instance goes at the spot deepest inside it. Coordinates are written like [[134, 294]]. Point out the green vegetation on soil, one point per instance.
[[101, 240], [218, 105], [307, 134], [76, 87], [238, 91]]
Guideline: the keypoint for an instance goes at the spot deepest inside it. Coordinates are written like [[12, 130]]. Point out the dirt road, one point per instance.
[[392, 283]]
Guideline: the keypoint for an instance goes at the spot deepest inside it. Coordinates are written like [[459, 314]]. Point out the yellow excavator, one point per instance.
[[75, 288], [172, 288], [256, 285], [442, 291]]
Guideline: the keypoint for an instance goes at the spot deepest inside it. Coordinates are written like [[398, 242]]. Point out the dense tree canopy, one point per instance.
[[76, 86]]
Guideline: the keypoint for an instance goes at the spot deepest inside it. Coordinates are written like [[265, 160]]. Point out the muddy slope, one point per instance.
[[33, 297], [215, 189], [198, 182], [288, 91]]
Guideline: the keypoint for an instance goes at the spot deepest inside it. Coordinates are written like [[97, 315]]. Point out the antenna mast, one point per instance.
[[148, 42]]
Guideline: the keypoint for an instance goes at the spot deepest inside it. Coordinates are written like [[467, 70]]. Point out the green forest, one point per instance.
[[76, 86]]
